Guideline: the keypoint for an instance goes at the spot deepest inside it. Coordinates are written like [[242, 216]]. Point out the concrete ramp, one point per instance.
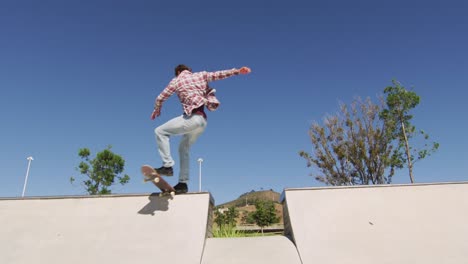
[[392, 224], [109, 229], [258, 250]]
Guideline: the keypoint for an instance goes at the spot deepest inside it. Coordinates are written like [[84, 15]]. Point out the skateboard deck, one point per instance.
[[150, 174]]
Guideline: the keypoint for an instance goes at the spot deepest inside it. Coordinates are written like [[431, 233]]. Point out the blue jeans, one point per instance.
[[191, 127]]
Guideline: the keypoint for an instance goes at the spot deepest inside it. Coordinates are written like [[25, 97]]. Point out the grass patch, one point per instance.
[[231, 231], [227, 231]]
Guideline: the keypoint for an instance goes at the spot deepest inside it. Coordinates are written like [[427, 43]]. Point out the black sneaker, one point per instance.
[[181, 188], [167, 171]]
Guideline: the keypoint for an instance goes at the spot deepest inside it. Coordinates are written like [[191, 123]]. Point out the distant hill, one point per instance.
[[245, 204], [249, 198]]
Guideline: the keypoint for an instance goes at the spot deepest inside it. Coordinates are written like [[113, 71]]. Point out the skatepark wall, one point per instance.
[[392, 224], [107, 229], [420, 223]]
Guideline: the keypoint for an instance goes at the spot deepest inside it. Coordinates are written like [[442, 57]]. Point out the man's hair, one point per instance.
[[180, 68]]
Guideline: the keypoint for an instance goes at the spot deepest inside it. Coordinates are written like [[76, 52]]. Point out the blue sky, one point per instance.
[[77, 74]]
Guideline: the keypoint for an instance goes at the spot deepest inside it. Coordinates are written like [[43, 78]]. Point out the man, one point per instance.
[[194, 93]]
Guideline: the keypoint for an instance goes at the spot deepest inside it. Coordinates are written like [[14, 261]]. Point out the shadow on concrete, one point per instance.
[[156, 203]]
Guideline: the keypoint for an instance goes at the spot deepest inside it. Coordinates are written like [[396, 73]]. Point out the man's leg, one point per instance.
[[181, 125], [163, 133], [199, 124]]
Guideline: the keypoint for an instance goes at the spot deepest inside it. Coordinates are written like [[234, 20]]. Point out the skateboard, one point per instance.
[[150, 174]]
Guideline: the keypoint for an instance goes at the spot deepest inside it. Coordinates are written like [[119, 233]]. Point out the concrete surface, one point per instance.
[[110, 229], [392, 224], [258, 250]]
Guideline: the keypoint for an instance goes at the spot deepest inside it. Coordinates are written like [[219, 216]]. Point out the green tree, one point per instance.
[[101, 171], [220, 218], [228, 218], [265, 214], [397, 119], [352, 147]]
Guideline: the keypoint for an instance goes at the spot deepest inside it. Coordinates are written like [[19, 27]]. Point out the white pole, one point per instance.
[[27, 175], [200, 160]]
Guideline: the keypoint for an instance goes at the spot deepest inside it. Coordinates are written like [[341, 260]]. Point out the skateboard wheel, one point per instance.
[[172, 193], [156, 180]]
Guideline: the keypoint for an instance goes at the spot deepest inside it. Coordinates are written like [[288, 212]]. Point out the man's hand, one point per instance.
[[245, 70], [156, 113]]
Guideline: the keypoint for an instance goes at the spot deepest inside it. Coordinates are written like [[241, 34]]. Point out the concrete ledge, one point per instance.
[[107, 229], [96, 196], [325, 188], [420, 223]]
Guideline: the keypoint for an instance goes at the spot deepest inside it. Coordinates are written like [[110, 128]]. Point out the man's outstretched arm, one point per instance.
[[219, 75]]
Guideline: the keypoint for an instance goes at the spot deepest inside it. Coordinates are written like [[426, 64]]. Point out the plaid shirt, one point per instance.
[[193, 90]]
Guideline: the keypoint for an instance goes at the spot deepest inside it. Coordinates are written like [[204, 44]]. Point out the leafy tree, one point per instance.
[[397, 118], [228, 218], [231, 216], [352, 147], [101, 171], [265, 214], [220, 218]]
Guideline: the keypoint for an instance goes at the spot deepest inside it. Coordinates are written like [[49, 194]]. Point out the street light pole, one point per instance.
[[27, 175], [200, 160]]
